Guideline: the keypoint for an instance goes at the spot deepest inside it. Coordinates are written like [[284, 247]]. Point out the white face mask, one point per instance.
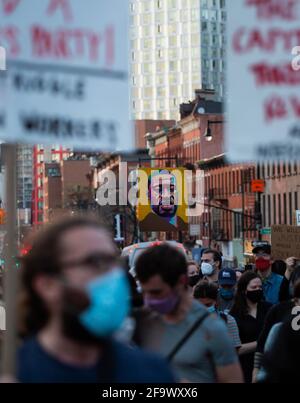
[[207, 269]]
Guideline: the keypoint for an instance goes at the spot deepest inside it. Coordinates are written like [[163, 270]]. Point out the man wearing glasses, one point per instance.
[[272, 282], [76, 298]]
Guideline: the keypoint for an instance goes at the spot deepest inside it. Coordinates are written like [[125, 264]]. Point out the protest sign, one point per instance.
[[285, 241], [66, 78], [263, 80]]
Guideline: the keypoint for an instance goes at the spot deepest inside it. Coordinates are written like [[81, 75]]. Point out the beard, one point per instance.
[[74, 303]]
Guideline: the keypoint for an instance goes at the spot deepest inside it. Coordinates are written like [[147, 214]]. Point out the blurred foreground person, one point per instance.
[[249, 311], [196, 343], [282, 357], [277, 314], [77, 296]]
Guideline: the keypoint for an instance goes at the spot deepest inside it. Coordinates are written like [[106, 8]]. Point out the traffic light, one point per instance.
[[2, 216]]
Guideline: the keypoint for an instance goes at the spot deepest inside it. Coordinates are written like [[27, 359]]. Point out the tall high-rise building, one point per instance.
[[213, 45], [24, 176], [41, 156], [166, 58]]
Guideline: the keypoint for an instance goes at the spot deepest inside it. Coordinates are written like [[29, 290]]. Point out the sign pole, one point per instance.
[[10, 276]]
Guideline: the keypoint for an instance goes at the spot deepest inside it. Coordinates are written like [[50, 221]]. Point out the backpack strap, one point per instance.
[[185, 338]]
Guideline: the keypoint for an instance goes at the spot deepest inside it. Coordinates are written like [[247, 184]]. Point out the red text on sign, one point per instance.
[[9, 40], [68, 44], [267, 9], [267, 74], [277, 107], [64, 5], [247, 40]]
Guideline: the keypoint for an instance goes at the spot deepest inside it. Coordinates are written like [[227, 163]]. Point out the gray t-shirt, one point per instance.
[[210, 346]]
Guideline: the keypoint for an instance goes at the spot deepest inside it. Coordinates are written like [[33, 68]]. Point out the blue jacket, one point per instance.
[[271, 288]]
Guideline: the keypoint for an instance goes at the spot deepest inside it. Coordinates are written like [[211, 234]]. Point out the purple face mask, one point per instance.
[[162, 306]]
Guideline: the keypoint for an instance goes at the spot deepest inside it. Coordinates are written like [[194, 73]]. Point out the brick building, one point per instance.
[[41, 156], [66, 188], [142, 127], [281, 200]]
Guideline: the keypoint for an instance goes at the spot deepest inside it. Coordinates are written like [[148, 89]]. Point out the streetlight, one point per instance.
[[208, 134]]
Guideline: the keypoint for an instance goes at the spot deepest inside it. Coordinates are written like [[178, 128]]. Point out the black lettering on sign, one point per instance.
[[295, 132], [68, 88], [68, 128], [112, 133], [278, 151], [2, 120]]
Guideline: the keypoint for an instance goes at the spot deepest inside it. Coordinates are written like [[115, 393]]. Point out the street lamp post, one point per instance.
[[208, 134]]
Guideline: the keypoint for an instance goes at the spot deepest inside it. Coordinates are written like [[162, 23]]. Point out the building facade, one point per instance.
[[41, 156], [281, 198], [142, 127], [213, 45]]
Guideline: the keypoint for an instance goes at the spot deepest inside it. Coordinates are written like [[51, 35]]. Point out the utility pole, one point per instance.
[[243, 209], [11, 275], [258, 214]]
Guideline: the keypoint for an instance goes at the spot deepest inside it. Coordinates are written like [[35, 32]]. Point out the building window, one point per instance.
[[264, 211], [296, 200], [269, 210], [278, 170], [237, 225], [263, 171], [279, 209], [290, 208], [284, 209], [274, 210]]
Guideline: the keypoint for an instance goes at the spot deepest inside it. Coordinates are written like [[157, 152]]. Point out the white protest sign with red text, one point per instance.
[[67, 73], [263, 83]]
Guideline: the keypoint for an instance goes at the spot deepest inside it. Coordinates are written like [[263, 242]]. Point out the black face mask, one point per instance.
[[193, 280], [255, 296]]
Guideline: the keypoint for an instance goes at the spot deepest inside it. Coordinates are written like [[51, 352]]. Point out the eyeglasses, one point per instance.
[[96, 261], [262, 255]]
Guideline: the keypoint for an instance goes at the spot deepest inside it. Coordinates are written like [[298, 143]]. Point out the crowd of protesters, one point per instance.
[[84, 318]]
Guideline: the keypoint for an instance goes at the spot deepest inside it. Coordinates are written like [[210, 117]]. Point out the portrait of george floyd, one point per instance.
[[161, 203]]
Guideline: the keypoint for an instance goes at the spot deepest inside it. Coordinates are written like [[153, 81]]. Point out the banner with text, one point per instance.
[[66, 78], [263, 79], [285, 242]]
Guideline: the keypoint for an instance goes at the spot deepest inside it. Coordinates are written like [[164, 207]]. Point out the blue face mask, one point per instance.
[[109, 303], [227, 294], [211, 309]]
